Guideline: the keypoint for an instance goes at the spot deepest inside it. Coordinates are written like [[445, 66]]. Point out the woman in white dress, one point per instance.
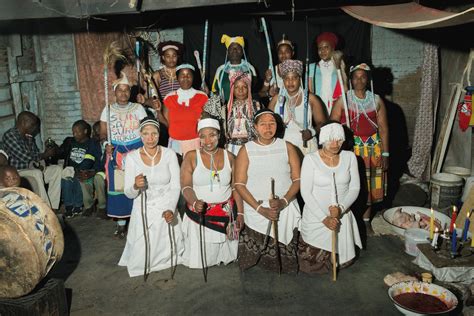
[[290, 105], [211, 223], [152, 172], [258, 163], [327, 204]]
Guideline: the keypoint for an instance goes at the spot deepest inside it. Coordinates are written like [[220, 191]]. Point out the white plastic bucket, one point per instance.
[[459, 171], [446, 190], [413, 237], [467, 188]]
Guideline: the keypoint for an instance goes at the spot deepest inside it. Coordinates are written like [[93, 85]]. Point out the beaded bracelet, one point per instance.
[[186, 187]]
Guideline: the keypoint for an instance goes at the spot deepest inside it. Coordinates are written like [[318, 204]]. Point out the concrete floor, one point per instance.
[[97, 286]]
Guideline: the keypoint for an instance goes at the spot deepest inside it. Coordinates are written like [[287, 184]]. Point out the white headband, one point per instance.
[[150, 122], [331, 132], [170, 46], [208, 122]]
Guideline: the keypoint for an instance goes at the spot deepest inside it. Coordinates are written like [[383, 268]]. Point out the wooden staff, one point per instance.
[[270, 59], [201, 70], [204, 50], [111, 54], [137, 61], [275, 229], [334, 234], [344, 100], [306, 91]]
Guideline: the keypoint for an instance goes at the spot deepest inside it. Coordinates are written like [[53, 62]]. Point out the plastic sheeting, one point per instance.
[[446, 274], [409, 16]]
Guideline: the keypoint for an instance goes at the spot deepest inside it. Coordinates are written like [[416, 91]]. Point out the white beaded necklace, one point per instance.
[[152, 158]]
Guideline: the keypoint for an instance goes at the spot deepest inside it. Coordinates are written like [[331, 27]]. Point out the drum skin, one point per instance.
[[31, 241]]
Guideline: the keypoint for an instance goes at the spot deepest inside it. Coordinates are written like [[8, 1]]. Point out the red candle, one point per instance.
[[453, 219]]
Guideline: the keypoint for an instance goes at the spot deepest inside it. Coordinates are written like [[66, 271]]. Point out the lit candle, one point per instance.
[[466, 227], [454, 240], [432, 224], [434, 243], [453, 219]]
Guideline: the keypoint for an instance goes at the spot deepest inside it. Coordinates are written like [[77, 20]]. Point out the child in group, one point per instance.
[[9, 177]]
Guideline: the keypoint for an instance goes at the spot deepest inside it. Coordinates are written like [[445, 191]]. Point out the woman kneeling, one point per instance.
[[329, 185], [211, 225], [154, 240]]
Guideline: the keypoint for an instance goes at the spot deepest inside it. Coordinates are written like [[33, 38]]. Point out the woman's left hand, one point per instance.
[[168, 216], [335, 211], [306, 135], [240, 222], [385, 163], [277, 204]]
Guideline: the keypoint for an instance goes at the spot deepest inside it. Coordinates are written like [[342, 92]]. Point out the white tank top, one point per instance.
[[266, 162], [295, 121], [212, 189]]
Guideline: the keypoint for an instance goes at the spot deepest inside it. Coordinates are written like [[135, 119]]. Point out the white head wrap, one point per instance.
[[208, 122], [4, 153], [330, 132], [185, 66], [122, 80]]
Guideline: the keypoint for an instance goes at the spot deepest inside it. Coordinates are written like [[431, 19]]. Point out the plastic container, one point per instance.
[[413, 237], [446, 190], [459, 171], [467, 188]]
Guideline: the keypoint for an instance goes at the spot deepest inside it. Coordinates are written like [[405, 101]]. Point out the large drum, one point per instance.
[[31, 241]]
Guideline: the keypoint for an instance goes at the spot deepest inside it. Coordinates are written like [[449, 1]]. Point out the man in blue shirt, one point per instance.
[[82, 161]]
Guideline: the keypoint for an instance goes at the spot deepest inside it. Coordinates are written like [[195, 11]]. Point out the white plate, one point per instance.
[[437, 291], [388, 216]]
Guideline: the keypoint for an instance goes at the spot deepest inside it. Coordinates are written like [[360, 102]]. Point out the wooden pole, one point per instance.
[[334, 233], [333, 256], [344, 100]]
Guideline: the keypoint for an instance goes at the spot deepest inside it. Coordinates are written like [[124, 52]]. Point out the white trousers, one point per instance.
[[52, 176]]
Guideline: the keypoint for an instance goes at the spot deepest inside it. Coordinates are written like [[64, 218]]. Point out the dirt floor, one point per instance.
[[98, 286]]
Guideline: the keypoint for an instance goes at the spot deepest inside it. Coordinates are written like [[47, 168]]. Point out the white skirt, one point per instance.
[[133, 256], [216, 247]]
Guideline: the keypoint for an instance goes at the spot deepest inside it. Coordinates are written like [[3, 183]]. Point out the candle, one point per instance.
[[453, 219], [432, 224], [466, 227], [434, 243], [453, 240]]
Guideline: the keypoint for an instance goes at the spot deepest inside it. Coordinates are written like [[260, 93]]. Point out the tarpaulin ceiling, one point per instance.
[[409, 16]]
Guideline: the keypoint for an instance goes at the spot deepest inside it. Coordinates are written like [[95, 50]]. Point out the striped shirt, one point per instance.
[[167, 85]]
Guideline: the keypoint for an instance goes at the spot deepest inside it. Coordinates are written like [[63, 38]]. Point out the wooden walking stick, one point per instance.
[[275, 229], [306, 89], [334, 234]]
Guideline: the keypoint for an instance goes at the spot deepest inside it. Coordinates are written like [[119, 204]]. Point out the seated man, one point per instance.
[[20, 146], [83, 157], [9, 177], [99, 178]]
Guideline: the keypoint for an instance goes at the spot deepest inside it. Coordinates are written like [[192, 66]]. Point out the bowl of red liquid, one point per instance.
[[421, 298]]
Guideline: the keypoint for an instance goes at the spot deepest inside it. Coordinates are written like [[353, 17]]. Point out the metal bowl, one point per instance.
[[437, 291], [388, 216]]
